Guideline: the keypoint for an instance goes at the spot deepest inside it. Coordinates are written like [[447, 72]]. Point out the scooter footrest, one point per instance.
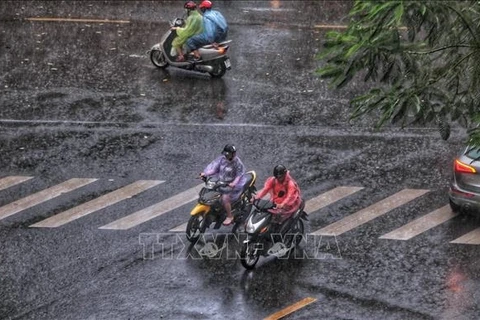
[[218, 224]]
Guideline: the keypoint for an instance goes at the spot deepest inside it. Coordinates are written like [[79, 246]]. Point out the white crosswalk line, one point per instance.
[[329, 197], [42, 196], [180, 228], [473, 237], [421, 224], [10, 181], [376, 210], [405, 232], [97, 204], [311, 205], [156, 210]]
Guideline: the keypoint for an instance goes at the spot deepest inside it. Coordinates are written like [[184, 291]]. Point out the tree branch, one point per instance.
[[465, 22], [442, 48]]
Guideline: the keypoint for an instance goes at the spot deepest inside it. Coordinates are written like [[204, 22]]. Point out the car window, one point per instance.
[[473, 153]]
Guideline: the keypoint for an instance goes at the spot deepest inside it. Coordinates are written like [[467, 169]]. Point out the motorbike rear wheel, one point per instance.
[[295, 234], [195, 227], [236, 225], [248, 257], [219, 70], [158, 59]]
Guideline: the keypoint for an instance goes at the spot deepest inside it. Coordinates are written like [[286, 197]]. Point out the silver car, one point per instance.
[[464, 191]]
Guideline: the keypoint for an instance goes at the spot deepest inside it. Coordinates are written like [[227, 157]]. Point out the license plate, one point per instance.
[[228, 64]]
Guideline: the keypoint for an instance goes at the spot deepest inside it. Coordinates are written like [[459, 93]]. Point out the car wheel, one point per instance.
[[455, 207]]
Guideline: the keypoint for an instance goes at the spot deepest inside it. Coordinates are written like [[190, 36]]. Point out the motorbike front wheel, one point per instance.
[[248, 256], [219, 70], [158, 59], [195, 227], [239, 222]]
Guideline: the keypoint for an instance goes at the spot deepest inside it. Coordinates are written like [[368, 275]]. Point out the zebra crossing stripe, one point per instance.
[[42, 196], [473, 237], [180, 228], [97, 204], [329, 197], [10, 181], [156, 210], [311, 205], [421, 224], [365, 215]]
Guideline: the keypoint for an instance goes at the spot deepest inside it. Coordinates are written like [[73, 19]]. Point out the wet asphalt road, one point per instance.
[[82, 100]]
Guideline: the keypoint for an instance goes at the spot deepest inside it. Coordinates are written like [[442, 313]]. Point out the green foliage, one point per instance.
[[422, 55]]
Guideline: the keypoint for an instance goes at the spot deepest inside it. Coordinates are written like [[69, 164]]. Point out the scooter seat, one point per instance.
[[221, 44]]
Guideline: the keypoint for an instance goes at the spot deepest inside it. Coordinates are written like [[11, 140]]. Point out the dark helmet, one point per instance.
[[190, 5], [205, 5], [229, 150], [279, 171]]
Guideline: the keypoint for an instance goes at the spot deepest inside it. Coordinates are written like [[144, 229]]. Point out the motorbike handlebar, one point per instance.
[[270, 204], [202, 177], [219, 184]]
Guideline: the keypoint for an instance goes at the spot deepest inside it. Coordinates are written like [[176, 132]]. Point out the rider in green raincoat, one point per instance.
[[193, 26]]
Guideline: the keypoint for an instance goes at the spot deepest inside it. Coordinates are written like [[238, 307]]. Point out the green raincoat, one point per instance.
[[193, 26]]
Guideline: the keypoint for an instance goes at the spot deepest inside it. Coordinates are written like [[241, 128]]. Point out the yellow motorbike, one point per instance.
[[209, 208]]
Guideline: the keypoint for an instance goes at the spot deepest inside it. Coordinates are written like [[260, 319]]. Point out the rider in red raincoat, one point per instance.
[[284, 192]]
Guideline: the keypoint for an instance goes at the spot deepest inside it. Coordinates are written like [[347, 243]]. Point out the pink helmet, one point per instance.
[[190, 5], [205, 5]]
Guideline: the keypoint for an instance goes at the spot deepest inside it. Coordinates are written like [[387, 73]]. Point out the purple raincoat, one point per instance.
[[230, 172]]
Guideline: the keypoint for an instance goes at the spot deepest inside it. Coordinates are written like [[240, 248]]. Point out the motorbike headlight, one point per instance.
[[250, 228], [209, 202]]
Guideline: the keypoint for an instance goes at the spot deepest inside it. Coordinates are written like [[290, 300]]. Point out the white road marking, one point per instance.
[[421, 224], [42, 196], [329, 197], [405, 232], [412, 132], [156, 210], [77, 20], [376, 210], [180, 228], [330, 26], [10, 181], [96, 204], [473, 237], [271, 9]]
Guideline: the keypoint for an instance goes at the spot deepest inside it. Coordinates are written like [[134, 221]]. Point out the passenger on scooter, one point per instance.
[[228, 168], [284, 193], [215, 29], [193, 26]]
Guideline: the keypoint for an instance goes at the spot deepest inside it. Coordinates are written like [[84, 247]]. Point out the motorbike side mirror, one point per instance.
[[178, 22]]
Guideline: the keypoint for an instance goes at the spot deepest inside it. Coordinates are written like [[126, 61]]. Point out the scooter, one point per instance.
[[268, 238], [213, 59], [209, 208]]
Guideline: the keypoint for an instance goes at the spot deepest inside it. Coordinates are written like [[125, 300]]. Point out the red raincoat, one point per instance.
[[286, 193]]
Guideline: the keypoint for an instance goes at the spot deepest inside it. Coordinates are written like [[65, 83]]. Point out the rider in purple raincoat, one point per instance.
[[230, 169]]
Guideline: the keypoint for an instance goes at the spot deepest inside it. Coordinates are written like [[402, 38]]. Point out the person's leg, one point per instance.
[[180, 56], [196, 42], [228, 209]]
